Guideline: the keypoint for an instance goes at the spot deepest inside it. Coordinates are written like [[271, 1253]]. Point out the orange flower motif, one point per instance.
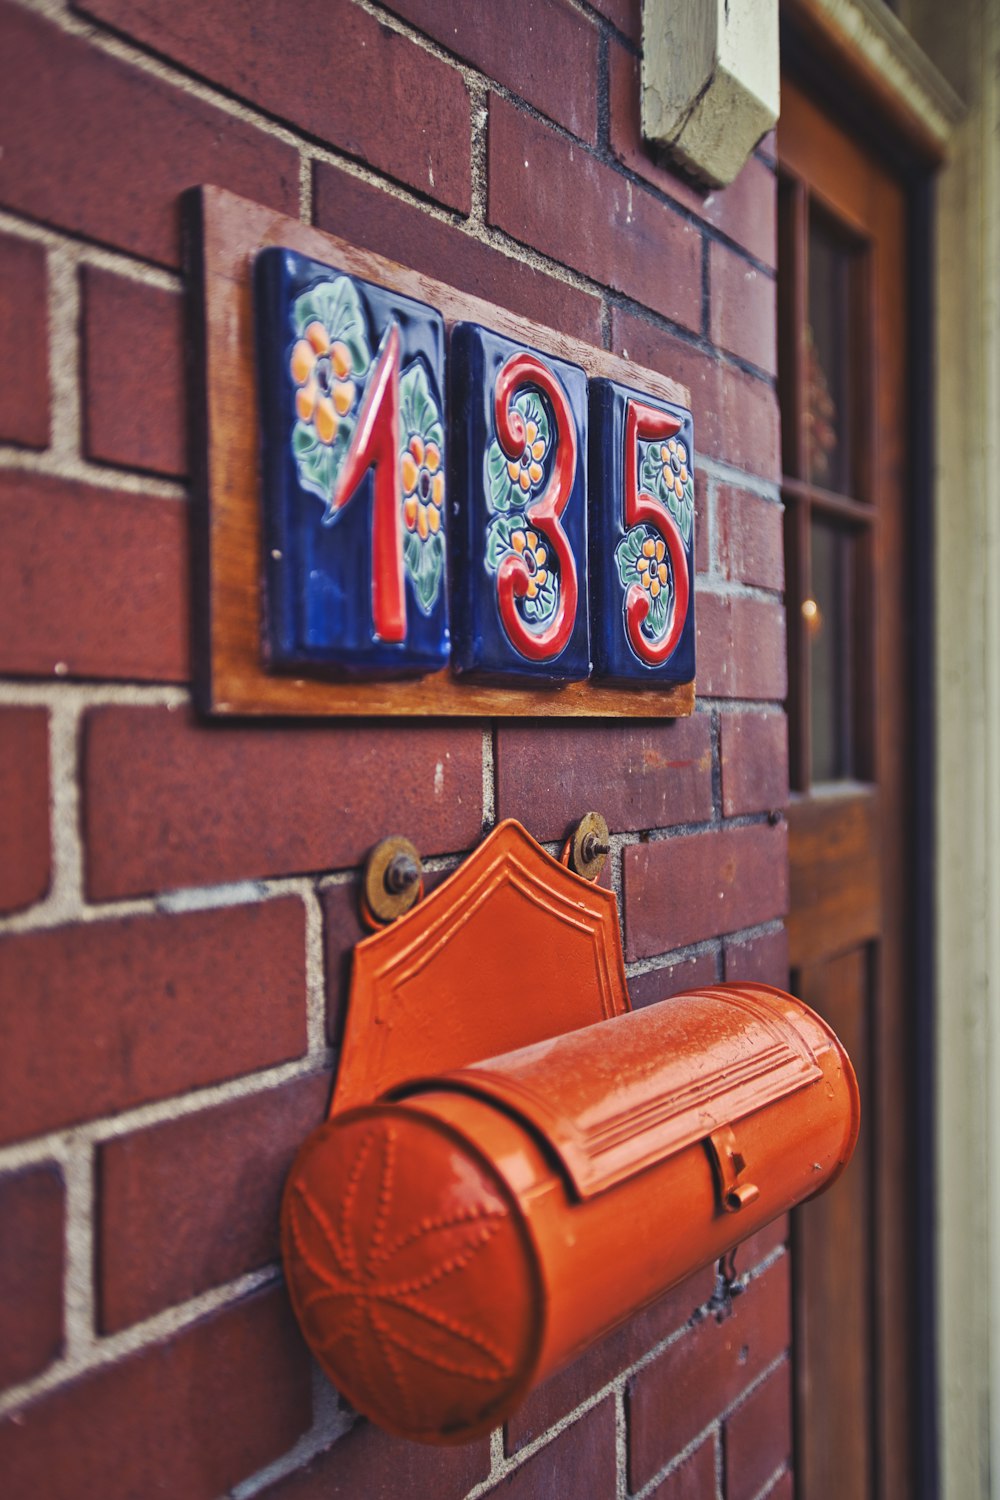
[[675, 471], [321, 371], [527, 470], [653, 573], [423, 487], [533, 555]]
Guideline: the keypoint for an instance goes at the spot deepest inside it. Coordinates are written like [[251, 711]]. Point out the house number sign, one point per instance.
[[451, 513]]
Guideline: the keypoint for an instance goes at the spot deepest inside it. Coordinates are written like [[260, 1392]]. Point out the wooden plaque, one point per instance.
[[225, 234]]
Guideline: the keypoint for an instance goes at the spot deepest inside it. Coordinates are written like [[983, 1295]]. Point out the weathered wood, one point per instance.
[[225, 233], [834, 874]]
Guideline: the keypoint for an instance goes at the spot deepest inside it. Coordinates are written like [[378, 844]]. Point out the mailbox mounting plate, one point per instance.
[[513, 948]]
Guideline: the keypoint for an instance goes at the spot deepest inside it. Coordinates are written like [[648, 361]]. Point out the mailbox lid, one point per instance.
[[621, 1095]]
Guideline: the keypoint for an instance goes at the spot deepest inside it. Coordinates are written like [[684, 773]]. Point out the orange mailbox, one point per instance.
[[515, 1161]]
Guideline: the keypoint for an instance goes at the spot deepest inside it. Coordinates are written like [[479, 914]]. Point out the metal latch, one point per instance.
[[730, 1164]]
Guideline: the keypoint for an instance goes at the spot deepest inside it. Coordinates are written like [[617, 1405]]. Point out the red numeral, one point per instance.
[[375, 444], [648, 422], [513, 576]]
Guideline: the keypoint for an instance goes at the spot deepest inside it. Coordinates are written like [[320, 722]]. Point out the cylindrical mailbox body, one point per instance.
[[447, 1249]]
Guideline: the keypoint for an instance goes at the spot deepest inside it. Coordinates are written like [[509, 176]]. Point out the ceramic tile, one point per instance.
[[642, 537], [353, 463], [518, 510]]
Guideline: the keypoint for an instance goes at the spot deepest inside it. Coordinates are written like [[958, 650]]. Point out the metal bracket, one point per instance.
[[393, 883], [588, 847]]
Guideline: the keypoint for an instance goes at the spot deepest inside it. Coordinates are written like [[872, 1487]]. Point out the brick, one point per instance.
[[639, 775], [753, 751], [540, 49], [750, 1252], [625, 14], [342, 928], [580, 1461], [749, 538], [548, 193], [556, 1397], [376, 220], [190, 1417], [25, 868], [694, 1479], [194, 1202], [24, 349], [743, 308], [692, 973], [171, 802], [131, 331], [368, 1464], [702, 560], [763, 958], [758, 1436], [677, 1395], [327, 68], [103, 149], [680, 890], [741, 647], [735, 414], [92, 583], [99, 1018], [746, 211], [32, 1207]]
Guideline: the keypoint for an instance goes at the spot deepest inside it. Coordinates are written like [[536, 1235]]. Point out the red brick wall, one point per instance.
[[177, 899]]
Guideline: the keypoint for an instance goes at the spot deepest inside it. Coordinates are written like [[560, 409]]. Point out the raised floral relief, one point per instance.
[[511, 484], [328, 364], [642, 556], [423, 485]]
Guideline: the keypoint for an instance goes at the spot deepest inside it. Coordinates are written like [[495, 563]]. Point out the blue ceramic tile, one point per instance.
[[518, 519], [355, 576], [641, 537]]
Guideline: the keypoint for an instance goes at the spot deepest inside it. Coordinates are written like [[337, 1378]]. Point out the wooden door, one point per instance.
[[843, 369]]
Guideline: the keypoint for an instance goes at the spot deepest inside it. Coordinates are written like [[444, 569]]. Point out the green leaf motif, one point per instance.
[[411, 553], [337, 306], [653, 481], [428, 579], [498, 538], [532, 409], [651, 470], [627, 555], [655, 622], [418, 410], [539, 609], [424, 563], [502, 492], [319, 464]]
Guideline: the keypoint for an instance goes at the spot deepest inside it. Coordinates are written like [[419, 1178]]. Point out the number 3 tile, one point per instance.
[[518, 518]]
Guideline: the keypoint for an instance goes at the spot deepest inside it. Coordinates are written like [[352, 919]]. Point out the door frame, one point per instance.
[[941, 83], [842, 78]]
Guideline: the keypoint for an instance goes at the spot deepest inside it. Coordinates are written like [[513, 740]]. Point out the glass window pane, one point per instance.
[[830, 617], [830, 360]]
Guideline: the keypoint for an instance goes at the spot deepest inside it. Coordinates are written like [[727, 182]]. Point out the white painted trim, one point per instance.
[[967, 627], [870, 31]]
